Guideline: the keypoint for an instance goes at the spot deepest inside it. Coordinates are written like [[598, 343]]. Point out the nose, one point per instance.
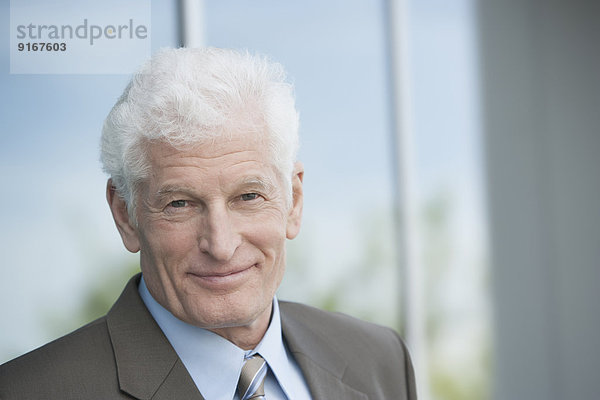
[[219, 237]]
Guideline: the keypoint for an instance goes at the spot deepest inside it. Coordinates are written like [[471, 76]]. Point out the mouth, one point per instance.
[[223, 279]]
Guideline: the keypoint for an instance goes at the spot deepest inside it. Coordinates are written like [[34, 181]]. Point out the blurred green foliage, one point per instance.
[[467, 378], [106, 292]]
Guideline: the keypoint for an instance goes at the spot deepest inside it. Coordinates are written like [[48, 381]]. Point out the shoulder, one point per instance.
[[359, 342], [72, 366], [373, 358], [338, 325]]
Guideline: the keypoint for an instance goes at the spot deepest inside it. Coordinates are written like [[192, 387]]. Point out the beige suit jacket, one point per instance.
[[125, 355]]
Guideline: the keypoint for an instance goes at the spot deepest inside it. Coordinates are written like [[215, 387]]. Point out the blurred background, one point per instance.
[[452, 182]]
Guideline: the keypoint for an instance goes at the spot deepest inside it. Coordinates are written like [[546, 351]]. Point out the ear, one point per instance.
[[294, 217], [118, 207]]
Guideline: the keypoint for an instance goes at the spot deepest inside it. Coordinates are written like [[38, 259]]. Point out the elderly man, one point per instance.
[[200, 150]]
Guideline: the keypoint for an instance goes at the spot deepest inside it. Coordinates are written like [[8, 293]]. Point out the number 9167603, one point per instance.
[[42, 46]]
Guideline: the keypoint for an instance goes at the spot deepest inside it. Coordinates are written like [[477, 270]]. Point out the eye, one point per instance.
[[178, 203], [249, 196]]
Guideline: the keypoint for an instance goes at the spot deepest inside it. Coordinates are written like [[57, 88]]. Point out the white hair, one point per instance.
[[187, 96]]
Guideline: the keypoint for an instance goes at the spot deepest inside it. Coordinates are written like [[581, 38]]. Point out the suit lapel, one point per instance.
[[178, 384], [321, 364], [324, 384], [147, 365]]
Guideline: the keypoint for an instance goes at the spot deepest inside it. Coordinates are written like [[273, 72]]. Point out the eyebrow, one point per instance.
[[262, 183], [167, 190]]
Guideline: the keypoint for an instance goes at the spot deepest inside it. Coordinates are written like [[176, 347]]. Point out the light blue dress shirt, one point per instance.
[[214, 363]]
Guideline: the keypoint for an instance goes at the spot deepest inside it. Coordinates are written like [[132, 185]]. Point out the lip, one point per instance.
[[222, 280]]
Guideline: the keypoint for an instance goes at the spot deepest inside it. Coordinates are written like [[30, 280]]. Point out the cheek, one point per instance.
[[166, 245], [273, 246], [269, 236]]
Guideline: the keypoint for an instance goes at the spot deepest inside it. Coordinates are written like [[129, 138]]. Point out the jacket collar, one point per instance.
[[147, 365], [319, 358]]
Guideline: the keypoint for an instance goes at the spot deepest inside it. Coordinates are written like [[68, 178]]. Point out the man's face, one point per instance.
[[212, 225]]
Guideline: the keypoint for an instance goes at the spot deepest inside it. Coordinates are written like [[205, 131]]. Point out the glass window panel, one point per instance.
[[63, 262], [449, 169]]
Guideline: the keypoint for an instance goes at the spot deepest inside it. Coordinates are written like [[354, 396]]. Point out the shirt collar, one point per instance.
[[272, 349], [215, 363]]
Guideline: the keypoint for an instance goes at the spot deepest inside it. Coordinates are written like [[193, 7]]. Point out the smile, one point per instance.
[[222, 280]]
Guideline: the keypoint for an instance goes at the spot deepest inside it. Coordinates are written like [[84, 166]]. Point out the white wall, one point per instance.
[[541, 93]]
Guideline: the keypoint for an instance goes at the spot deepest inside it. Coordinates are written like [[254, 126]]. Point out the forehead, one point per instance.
[[226, 156]]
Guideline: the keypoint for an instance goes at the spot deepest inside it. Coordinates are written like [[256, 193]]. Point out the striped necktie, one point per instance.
[[252, 379]]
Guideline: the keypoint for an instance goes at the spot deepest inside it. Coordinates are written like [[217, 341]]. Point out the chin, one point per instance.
[[225, 315]]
